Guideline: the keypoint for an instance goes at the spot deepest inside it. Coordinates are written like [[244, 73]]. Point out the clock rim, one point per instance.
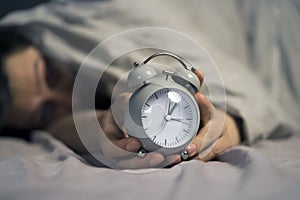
[[136, 103]]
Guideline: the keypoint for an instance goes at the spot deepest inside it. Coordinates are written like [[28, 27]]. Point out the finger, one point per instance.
[[128, 144], [110, 128], [204, 139], [118, 110], [172, 160], [150, 160], [206, 115], [228, 138], [120, 148], [112, 132], [205, 108], [220, 146], [199, 74], [196, 144]]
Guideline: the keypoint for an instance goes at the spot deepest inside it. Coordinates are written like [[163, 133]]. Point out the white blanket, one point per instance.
[[46, 169]]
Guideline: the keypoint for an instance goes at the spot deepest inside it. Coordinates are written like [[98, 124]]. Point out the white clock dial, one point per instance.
[[169, 117]]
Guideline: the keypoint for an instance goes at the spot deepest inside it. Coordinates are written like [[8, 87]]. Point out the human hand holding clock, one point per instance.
[[164, 114], [165, 110], [112, 123], [229, 136], [176, 113], [178, 120], [163, 117]]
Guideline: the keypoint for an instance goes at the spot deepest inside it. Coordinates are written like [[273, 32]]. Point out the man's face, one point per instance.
[[40, 94]]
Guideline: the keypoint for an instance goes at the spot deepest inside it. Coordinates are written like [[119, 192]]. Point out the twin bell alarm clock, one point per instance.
[[162, 112]]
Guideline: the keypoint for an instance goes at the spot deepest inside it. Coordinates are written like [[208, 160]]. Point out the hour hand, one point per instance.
[[168, 106], [169, 109], [172, 109]]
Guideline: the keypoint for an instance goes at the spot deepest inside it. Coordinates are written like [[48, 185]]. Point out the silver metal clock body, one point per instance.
[[162, 112]]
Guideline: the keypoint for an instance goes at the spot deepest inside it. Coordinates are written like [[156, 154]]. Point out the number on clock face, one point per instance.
[[169, 117]]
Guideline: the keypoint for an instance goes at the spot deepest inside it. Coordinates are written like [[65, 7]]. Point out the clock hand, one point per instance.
[[179, 120], [172, 109], [169, 109], [169, 106], [168, 116], [176, 119]]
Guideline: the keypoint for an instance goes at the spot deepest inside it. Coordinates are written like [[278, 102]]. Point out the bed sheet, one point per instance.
[[47, 169]]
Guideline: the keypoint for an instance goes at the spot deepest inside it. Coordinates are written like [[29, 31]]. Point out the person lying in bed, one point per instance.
[[36, 94]]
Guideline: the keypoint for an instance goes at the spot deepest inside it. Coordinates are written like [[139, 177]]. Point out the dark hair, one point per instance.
[[12, 40]]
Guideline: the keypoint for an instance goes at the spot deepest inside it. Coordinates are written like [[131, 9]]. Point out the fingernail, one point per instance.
[[155, 160], [132, 146], [191, 149]]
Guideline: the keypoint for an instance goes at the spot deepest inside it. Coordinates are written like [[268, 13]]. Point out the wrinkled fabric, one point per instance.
[[254, 45], [47, 169], [233, 33]]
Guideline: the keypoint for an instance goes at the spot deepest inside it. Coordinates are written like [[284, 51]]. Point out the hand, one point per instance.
[[114, 145], [123, 148], [207, 145], [118, 146]]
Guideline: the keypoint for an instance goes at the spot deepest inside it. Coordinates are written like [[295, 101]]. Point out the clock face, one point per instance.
[[169, 117]]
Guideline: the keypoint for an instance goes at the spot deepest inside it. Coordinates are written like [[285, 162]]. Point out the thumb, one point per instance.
[[205, 107]]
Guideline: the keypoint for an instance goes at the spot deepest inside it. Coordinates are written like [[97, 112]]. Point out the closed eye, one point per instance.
[[46, 110], [52, 76], [36, 75]]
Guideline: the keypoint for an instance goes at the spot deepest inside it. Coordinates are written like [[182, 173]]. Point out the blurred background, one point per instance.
[[8, 6]]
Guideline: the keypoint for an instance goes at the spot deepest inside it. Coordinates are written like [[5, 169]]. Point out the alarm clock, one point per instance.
[[162, 112]]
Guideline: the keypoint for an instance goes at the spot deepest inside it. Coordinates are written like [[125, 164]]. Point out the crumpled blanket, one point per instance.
[[47, 169], [270, 169]]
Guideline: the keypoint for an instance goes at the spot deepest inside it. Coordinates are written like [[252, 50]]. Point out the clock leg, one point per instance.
[[184, 155], [142, 153]]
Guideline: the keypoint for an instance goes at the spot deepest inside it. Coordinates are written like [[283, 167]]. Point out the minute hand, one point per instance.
[[178, 120]]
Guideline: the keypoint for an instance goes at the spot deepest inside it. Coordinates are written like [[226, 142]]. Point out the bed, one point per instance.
[[267, 167]]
